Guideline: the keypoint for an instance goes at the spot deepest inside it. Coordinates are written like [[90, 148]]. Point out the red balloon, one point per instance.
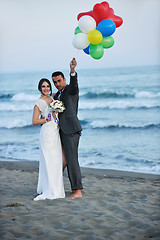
[[90, 13], [116, 19], [102, 11], [105, 4]]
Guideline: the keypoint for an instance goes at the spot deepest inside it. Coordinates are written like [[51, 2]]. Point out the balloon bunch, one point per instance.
[[94, 30]]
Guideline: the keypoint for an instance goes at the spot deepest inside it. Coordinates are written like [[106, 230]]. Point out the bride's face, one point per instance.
[[45, 88]]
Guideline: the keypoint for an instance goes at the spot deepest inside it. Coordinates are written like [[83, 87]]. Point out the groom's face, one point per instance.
[[59, 82]]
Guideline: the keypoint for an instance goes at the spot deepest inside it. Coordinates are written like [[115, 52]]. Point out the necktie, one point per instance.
[[59, 95]]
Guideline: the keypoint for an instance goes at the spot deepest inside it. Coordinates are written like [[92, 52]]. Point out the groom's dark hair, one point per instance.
[[55, 74]]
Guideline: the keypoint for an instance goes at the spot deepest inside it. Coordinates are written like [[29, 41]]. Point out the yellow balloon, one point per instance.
[[95, 37]]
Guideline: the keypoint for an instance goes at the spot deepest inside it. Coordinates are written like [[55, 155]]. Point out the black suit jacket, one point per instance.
[[68, 120]]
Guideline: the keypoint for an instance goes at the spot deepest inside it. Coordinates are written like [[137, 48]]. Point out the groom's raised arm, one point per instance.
[[73, 78]]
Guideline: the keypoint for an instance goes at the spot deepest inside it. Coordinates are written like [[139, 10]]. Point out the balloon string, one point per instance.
[[76, 53]]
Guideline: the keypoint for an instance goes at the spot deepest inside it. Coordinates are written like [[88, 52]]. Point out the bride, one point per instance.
[[50, 180]]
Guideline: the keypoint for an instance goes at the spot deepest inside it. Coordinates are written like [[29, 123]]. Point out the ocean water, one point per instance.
[[119, 110]]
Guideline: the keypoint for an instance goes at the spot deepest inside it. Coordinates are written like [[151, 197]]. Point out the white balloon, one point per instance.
[[80, 41], [87, 23]]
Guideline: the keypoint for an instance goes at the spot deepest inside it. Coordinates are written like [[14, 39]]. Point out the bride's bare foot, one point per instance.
[[77, 194]]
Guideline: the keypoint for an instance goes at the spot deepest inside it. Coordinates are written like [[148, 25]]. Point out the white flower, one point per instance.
[[56, 106]]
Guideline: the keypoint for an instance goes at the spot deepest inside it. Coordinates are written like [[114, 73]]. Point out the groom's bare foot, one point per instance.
[[77, 194], [73, 191]]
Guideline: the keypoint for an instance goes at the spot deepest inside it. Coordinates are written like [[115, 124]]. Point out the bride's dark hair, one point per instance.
[[41, 82]]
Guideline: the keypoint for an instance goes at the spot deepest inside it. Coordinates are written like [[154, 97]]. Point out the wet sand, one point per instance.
[[115, 205]]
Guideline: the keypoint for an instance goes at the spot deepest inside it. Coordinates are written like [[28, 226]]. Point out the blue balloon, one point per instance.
[[86, 50], [107, 27]]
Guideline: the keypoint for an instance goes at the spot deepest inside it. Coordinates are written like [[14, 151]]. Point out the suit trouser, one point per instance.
[[70, 145]]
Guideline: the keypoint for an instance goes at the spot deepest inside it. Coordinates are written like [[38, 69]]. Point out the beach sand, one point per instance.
[[115, 205]]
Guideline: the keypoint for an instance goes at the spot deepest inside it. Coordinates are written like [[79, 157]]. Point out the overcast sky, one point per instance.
[[37, 34]]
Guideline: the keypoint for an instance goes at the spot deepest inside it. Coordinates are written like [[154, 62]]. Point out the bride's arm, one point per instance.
[[35, 118]]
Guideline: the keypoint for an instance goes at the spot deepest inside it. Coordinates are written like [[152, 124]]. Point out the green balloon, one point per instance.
[[96, 51], [77, 30], [107, 42]]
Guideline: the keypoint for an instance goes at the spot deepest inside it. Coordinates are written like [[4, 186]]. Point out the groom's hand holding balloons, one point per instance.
[[73, 64]]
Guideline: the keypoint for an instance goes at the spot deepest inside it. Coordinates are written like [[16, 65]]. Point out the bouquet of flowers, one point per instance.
[[56, 106]]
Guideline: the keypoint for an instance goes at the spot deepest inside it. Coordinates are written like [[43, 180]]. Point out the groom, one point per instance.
[[70, 128]]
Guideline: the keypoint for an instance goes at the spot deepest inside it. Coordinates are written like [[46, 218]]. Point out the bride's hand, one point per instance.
[[48, 119], [55, 115]]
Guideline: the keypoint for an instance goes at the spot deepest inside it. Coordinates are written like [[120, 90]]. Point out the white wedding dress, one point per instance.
[[50, 180]]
